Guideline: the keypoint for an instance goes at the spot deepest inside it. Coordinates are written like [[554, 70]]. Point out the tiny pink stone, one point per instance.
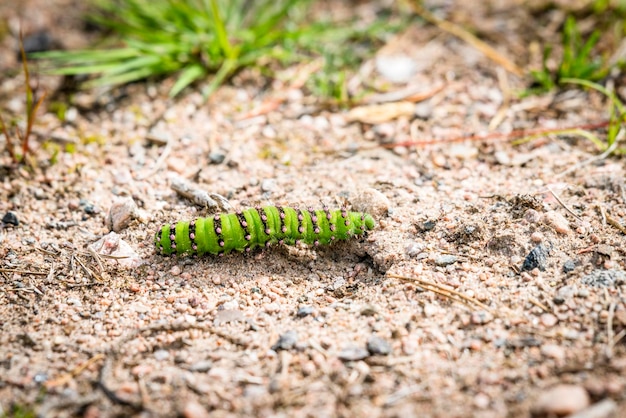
[[283, 229], [267, 231], [221, 243], [244, 224], [317, 230], [192, 236], [301, 230], [218, 230]]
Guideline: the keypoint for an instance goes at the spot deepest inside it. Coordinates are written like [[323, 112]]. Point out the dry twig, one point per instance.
[[444, 291]]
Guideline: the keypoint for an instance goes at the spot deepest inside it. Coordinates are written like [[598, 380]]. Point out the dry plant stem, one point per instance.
[[558, 199], [591, 160], [445, 291], [30, 108], [520, 133], [539, 305], [200, 197], [36, 273], [464, 35], [67, 377], [157, 166]]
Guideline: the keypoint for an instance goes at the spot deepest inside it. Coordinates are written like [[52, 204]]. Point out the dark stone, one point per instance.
[[304, 311], [376, 345], [605, 278], [10, 218], [217, 157], [536, 258], [429, 225], [286, 341], [569, 266]]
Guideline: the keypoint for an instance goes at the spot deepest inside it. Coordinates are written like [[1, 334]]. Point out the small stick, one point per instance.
[[558, 199], [159, 162], [36, 273], [445, 291], [200, 197], [539, 305]]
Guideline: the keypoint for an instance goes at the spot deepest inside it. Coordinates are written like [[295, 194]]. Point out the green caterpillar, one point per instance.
[[260, 227]]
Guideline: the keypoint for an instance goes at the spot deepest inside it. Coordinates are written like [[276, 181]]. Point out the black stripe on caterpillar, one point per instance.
[[260, 227]]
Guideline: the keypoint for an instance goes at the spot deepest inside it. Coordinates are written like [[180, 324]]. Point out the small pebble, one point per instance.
[[569, 266], [201, 366], [548, 320], [414, 249], [120, 214], [304, 311], [373, 202], [217, 157], [377, 345], [286, 341], [193, 409], [553, 351], [446, 260], [268, 185], [536, 237], [161, 355], [481, 400], [561, 400], [353, 353], [557, 222], [532, 216], [481, 318]]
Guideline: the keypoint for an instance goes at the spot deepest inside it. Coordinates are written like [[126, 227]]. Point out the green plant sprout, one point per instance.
[[617, 116], [194, 39], [577, 62], [32, 106], [614, 125]]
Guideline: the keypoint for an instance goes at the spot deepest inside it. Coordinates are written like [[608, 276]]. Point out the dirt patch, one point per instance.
[[320, 331]]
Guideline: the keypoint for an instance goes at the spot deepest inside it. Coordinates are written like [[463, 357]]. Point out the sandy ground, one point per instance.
[[493, 284]]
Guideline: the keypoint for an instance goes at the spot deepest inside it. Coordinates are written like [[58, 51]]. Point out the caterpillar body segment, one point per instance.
[[260, 227]]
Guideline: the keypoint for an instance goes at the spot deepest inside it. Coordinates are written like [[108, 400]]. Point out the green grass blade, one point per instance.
[[188, 76]]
